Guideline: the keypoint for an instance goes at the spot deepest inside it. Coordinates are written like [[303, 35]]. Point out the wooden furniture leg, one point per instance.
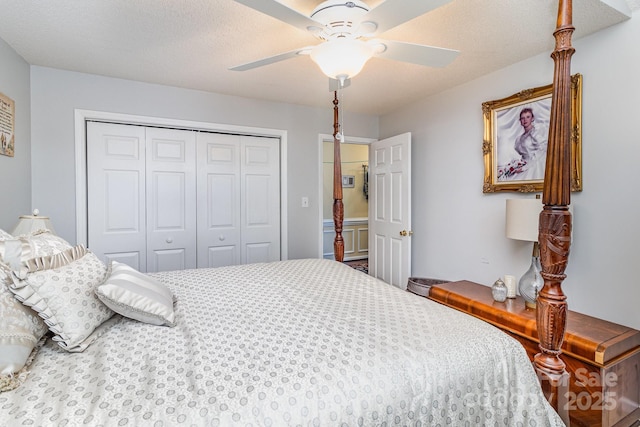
[[555, 220], [338, 207]]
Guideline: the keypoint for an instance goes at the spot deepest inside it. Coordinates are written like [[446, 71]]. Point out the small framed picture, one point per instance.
[[7, 125], [516, 133]]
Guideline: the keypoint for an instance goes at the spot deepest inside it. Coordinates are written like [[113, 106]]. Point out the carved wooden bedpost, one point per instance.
[[338, 207], [555, 219]]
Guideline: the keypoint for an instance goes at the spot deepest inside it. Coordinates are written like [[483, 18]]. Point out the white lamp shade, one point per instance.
[[342, 58], [522, 216], [29, 223]]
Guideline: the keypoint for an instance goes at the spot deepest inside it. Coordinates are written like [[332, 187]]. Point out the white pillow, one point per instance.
[[44, 243], [20, 331], [61, 289], [20, 327], [14, 250], [4, 235], [137, 296]]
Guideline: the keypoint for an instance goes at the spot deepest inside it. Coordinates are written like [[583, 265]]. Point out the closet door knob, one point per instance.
[[169, 239], [221, 238]]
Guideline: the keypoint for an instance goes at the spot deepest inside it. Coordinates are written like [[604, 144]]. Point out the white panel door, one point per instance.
[[390, 210], [260, 199], [166, 199], [171, 199], [218, 199], [116, 226]]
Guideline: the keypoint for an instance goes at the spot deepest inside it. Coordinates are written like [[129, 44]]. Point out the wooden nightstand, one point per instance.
[[603, 358]]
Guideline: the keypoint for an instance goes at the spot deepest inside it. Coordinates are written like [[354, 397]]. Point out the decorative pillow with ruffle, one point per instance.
[[44, 243], [20, 327], [20, 331], [61, 288]]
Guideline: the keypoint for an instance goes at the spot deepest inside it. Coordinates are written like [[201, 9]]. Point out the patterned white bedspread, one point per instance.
[[301, 342]]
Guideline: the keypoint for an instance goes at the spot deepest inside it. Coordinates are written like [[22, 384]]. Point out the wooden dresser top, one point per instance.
[[586, 337]]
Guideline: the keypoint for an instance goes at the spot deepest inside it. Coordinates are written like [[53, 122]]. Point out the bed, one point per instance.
[[298, 342]]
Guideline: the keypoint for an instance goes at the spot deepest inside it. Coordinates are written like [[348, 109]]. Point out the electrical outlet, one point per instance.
[[305, 202]]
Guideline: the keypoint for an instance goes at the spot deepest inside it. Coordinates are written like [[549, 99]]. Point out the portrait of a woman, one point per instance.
[[522, 142]]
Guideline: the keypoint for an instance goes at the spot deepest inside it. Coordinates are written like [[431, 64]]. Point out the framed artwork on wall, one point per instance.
[[516, 133], [7, 125]]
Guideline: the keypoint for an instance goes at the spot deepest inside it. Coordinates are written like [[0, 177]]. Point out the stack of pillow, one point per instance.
[[46, 284]]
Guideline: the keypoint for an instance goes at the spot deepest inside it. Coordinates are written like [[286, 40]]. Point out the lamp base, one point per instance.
[[531, 282]]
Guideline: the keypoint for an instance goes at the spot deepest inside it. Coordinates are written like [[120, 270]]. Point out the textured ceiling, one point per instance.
[[191, 44]]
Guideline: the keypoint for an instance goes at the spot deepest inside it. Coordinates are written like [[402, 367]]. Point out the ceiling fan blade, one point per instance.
[[417, 53], [281, 12], [272, 59], [391, 13]]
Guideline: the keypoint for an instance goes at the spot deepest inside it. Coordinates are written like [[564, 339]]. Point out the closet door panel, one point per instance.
[[260, 206], [171, 199], [170, 259], [221, 191], [258, 252], [116, 193], [220, 256], [218, 200]]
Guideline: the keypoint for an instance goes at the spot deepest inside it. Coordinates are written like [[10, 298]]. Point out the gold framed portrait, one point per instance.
[[516, 133]]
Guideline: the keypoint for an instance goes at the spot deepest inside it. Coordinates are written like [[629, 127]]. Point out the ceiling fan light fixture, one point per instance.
[[342, 58]]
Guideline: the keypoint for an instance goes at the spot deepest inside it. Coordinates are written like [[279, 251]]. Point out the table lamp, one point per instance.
[[28, 224], [522, 216]]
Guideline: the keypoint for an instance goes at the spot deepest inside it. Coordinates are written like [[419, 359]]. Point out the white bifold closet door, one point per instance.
[[171, 196], [166, 199], [238, 199], [116, 193]]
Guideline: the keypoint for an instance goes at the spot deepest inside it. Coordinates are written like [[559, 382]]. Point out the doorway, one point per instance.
[[355, 170], [388, 220]]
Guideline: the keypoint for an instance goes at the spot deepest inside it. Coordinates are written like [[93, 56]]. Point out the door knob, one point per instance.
[[406, 233], [169, 239]]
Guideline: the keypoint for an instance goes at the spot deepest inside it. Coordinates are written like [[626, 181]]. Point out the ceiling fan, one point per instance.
[[347, 30]]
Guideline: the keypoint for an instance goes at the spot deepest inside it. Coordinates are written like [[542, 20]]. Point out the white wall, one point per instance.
[[459, 231], [56, 93], [15, 172]]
